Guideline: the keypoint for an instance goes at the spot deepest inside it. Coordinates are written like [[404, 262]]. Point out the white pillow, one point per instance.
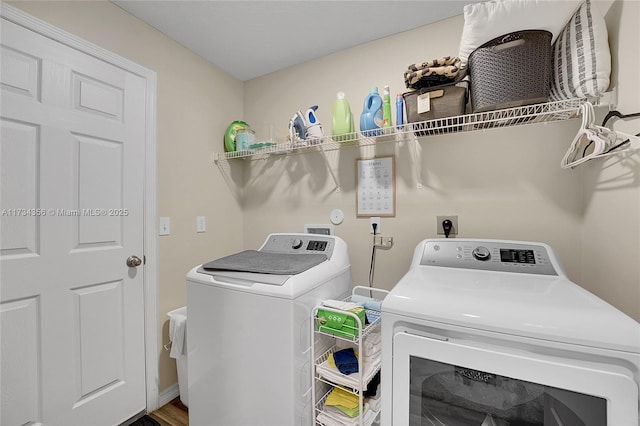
[[581, 61], [485, 21]]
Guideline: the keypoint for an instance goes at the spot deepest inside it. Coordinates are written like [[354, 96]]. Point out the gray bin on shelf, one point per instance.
[[178, 318], [511, 71]]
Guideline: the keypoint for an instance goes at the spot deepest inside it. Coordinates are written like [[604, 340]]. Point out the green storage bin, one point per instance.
[[341, 325]]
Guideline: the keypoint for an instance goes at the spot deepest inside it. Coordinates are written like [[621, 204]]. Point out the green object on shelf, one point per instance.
[[341, 325], [261, 145], [230, 134], [342, 128]]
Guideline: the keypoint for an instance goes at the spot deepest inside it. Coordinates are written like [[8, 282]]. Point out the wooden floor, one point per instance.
[[172, 414]]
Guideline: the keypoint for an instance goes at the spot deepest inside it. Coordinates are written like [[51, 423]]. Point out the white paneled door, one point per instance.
[[72, 190]]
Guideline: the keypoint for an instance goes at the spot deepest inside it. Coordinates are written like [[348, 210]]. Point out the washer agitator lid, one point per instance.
[[263, 262], [513, 288]]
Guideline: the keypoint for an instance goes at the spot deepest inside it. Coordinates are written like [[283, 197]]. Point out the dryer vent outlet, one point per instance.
[[440, 228]]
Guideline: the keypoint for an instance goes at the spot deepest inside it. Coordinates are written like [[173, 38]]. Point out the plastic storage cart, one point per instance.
[[332, 330]]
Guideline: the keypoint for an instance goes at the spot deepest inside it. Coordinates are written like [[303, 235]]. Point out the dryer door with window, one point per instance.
[[461, 382]]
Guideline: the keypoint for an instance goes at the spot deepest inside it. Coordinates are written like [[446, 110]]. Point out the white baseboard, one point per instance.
[[169, 394]]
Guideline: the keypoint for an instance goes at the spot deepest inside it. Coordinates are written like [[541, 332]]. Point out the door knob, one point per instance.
[[134, 261]]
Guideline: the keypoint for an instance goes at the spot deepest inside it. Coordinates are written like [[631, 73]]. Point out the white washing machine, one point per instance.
[[249, 349], [492, 332]]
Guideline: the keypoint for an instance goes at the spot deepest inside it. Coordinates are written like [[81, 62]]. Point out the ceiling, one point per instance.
[[249, 39]]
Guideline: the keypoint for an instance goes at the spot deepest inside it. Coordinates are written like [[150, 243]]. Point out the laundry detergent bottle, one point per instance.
[[342, 119], [371, 117]]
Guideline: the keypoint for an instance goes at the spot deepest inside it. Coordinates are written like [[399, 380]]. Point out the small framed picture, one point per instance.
[[376, 187]]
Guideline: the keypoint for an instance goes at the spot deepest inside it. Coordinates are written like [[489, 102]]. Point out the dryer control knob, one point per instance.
[[481, 253], [297, 243]]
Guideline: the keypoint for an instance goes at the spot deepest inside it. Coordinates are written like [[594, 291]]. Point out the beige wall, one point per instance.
[[195, 103], [611, 189], [502, 183]]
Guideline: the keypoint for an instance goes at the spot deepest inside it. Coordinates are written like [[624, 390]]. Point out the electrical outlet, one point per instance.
[[383, 242], [454, 221], [375, 220]]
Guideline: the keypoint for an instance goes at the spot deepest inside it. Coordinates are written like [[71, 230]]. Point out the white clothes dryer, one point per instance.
[[249, 350], [489, 332]]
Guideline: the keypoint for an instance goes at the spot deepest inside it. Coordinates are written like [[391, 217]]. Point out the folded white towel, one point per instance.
[[178, 335], [352, 380], [371, 360], [373, 337], [339, 304], [372, 350], [370, 347], [333, 417], [374, 404]]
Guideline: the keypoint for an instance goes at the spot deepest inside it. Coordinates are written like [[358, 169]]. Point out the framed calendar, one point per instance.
[[376, 187]]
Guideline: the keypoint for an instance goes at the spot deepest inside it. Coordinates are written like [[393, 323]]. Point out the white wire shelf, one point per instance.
[[538, 113]]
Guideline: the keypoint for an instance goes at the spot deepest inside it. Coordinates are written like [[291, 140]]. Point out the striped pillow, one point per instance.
[[581, 62]]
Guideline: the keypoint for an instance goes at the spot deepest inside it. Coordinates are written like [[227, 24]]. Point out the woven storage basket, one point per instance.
[[511, 70], [443, 101]]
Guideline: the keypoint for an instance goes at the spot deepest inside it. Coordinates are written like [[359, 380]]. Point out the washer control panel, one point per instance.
[[299, 243], [489, 255]]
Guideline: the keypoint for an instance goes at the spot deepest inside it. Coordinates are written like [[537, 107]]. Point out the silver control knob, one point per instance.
[[297, 243], [481, 253]]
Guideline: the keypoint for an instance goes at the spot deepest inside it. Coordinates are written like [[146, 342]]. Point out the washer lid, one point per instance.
[[264, 262], [244, 277], [536, 306]]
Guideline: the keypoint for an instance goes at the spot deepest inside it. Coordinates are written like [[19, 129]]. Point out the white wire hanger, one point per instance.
[[593, 141]]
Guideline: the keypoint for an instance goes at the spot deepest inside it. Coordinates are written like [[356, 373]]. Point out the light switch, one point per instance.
[[201, 224], [165, 226]]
